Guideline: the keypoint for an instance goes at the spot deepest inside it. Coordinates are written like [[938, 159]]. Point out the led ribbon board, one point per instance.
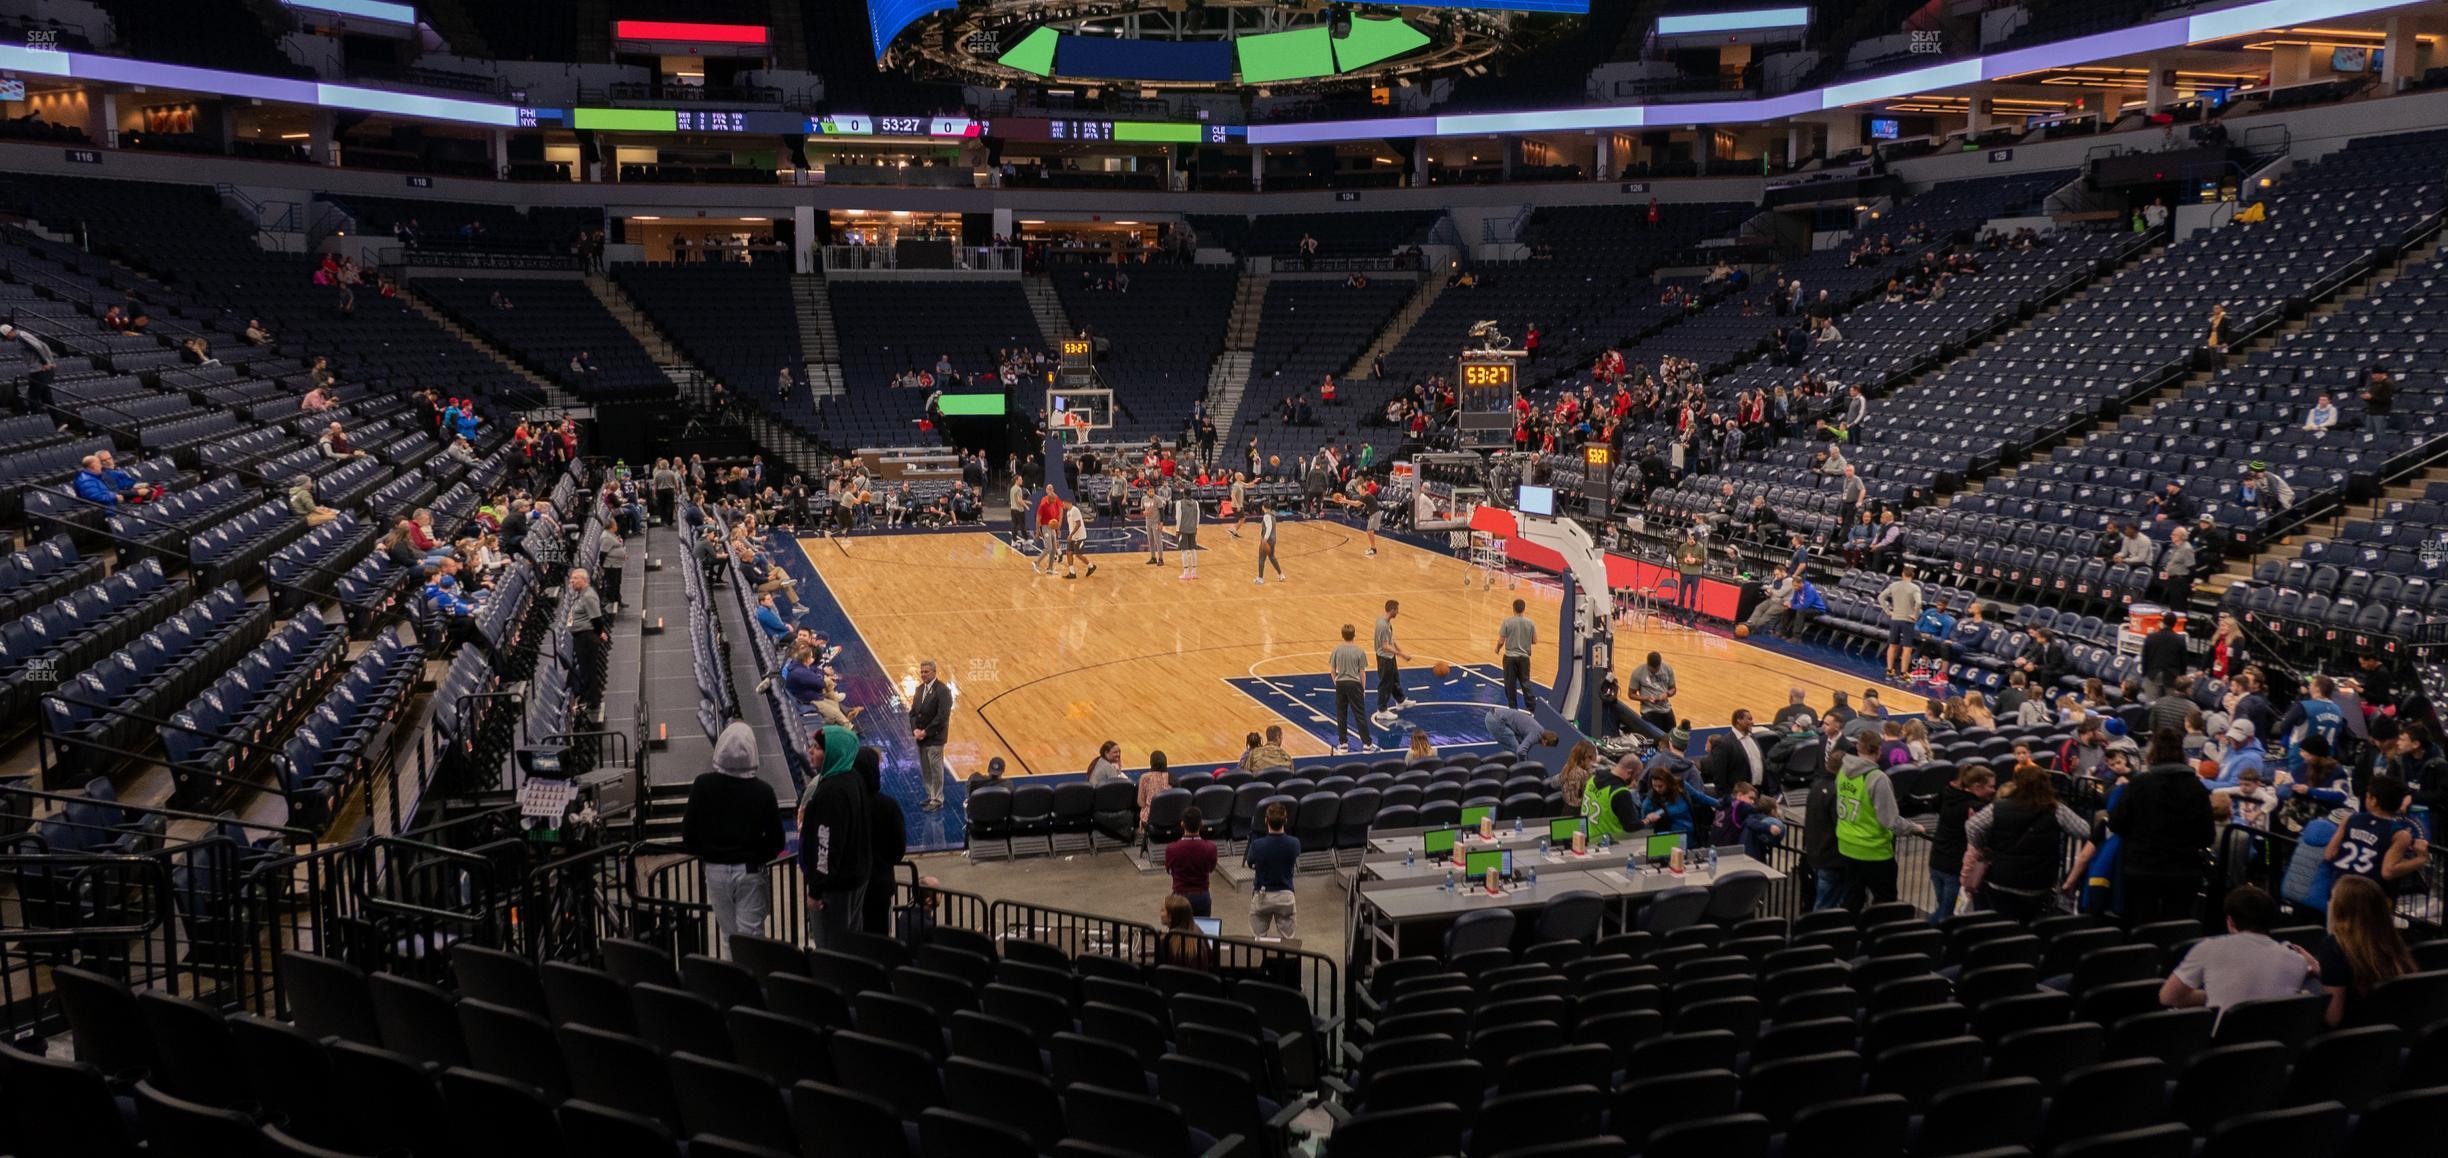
[[2157, 35], [365, 9], [1746, 20]]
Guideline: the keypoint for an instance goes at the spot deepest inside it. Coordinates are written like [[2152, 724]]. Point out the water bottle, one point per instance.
[[1449, 880], [1542, 848], [1408, 857], [1517, 826], [1534, 876]]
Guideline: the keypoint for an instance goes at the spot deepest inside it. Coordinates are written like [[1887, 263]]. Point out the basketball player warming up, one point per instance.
[[1266, 547]]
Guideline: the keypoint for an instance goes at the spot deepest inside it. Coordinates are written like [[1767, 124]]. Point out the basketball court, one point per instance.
[[1046, 669]]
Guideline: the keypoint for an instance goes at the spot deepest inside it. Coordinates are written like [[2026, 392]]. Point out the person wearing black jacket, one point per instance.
[[930, 721], [1819, 841], [1968, 793], [733, 825], [2162, 816], [834, 830], [887, 843], [2164, 656]]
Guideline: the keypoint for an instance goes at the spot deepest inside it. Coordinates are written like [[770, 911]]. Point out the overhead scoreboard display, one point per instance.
[[1048, 129], [762, 122], [864, 125]]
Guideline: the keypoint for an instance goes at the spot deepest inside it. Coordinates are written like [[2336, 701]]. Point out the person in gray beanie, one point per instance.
[[733, 825]]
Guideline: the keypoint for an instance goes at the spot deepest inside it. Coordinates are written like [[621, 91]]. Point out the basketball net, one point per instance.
[[1077, 424]]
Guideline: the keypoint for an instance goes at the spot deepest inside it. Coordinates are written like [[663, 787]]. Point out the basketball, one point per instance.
[[1273, 460], [1742, 631], [1441, 668]]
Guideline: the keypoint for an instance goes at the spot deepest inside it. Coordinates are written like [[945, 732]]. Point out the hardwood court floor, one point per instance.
[[1045, 669]]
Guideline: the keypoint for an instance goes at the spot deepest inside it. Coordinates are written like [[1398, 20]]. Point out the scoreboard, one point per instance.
[[1485, 397], [1598, 478]]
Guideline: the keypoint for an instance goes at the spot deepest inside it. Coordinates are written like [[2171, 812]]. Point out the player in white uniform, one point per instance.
[[1075, 540]]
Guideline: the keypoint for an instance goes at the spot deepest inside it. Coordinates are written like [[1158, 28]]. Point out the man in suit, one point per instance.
[[1738, 759], [930, 718], [2164, 656]]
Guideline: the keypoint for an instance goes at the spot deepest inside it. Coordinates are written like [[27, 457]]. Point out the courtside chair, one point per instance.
[[989, 822]]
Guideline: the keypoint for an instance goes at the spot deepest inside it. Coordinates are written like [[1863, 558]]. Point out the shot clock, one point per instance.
[[1486, 398]]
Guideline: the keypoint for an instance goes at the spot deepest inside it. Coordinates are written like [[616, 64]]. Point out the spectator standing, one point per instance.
[[887, 842], [2245, 964], [733, 826], [2018, 836], [1901, 600], [930, 717], [834, 828], [2164, 828], [1970, 791], [1272, 860], [1190, 861], [1867, 824], [38, 376]]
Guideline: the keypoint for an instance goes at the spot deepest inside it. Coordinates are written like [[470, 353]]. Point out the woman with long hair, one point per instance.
[[1421, 751], [1916, 739], [2363, 948], [2018, 836], [1976, 711], [1578, 765], [1180, 943], [1669, 805], [2226, 647]]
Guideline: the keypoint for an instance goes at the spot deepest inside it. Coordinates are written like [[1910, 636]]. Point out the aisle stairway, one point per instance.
[[1052, 323], [549, 393], [1430, 289], [1229, 378], [819, 349]]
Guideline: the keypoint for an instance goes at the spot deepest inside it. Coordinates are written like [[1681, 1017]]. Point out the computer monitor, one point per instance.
[[1472, 816], [1476, 865], [1663, 845], [1562, 829], [1537, 500], [1211, 926], [1438, 842]]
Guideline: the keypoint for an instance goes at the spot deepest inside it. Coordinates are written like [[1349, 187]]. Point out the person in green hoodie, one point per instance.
[[1867, 823], [834, 830]]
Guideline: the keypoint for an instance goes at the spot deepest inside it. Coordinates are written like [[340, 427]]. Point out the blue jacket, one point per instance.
[[2247, 755], [443, 594], [1806, 597], [1678, 812], [1935, 624], [95, 487], [770, 622], [805, 683]]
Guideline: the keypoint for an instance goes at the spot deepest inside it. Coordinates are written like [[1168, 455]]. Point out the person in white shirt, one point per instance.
[[2323, 416]]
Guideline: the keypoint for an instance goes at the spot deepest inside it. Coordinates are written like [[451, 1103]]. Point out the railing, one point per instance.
[[754, 94], [974, 258]]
